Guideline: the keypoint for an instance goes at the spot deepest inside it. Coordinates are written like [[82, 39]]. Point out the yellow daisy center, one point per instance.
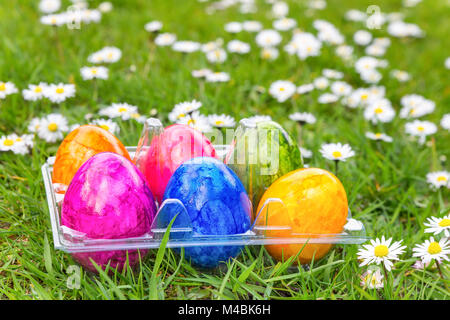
[[181, 115], [412, 111], [8, 142], [337, 154], [59, 90], [122, 109], [381, 251], [364, 96], [135, 115], [266, 54], [38, 89], [19, 139], [104, 126], [420, 128], [309, 49], [378, 110], [94, 71], [441, 178], [378, 135], [110, 55], [191, 121], [281, 89], [2, 86], [52, 127], [219, 122], [434, 248], [444, 223]]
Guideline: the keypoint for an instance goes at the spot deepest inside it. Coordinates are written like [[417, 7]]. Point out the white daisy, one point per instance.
[[58, 93], [7, 143], [54, 19], [332, 74], [106, 55], [49, 6], [445, 121], [105, 6], [269, 53], [355, 15], [17, 144], [108, 125], [282, 90], [52, 127], [186, 46], [284, 24], [432, 250], [367, 63], [165, 39], [116, 110], [34, 92], [336, 151], [447, 63], [372, 279], [371, 76], [362, 37], [379, 136], [381, 251], [211, 46], [7, 88], [34, 125], [259, 118], [375, 50], [402, 29], [153, 26], [221, 121], [197, 121], [400, 75], [327, 98], [280, 9], [303, 117], [233, 27], [420, 129], [379, 111], [217, 77], [341, 88], [308, 45], [252, 26], [201, 73], [439, 179], [89, 73], [321, 83], [305, 153], [415, 106], [188, 107], [344, 51], [268, 38], [305, 88], [237, 46], [437, 225], [216, 56]]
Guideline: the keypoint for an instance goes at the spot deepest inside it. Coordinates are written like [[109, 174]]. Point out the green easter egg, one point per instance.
[[262, 152]]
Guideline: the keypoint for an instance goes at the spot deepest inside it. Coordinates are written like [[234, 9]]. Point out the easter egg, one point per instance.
[[108, 198], [216, 203], [167, 151], [262, 152], [80, 145], [314, 202]]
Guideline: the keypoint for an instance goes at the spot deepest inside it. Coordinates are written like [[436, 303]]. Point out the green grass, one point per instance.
[[385, 183]]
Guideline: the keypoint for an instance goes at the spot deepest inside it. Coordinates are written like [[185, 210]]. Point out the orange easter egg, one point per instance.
[[314, 202], [80, 145]]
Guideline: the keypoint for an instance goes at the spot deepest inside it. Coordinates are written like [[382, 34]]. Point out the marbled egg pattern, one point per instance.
[[108, 198], [216, 202]]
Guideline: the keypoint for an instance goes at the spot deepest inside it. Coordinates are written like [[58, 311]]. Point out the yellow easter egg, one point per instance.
[[314, 203]]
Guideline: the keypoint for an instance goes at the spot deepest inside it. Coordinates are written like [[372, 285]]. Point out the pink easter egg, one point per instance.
[[108, 198], [177, 144]]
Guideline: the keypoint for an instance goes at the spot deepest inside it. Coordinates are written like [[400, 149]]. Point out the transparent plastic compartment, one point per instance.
[[181, 233]]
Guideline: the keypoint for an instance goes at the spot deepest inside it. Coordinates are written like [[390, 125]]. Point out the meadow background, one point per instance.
[[385, 182]]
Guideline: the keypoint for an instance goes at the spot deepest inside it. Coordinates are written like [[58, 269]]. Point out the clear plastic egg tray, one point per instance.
[[181, 233]]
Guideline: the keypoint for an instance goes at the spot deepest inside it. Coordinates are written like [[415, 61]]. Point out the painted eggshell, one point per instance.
[[314, 202], [80, 145], [168, 151], [216, 203], [261, 154], [108, 198]]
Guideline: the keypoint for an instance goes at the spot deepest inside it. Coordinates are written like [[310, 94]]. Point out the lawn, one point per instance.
[[385, 182]]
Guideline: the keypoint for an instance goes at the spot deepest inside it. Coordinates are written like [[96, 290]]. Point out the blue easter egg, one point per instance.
[[216, 202]]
